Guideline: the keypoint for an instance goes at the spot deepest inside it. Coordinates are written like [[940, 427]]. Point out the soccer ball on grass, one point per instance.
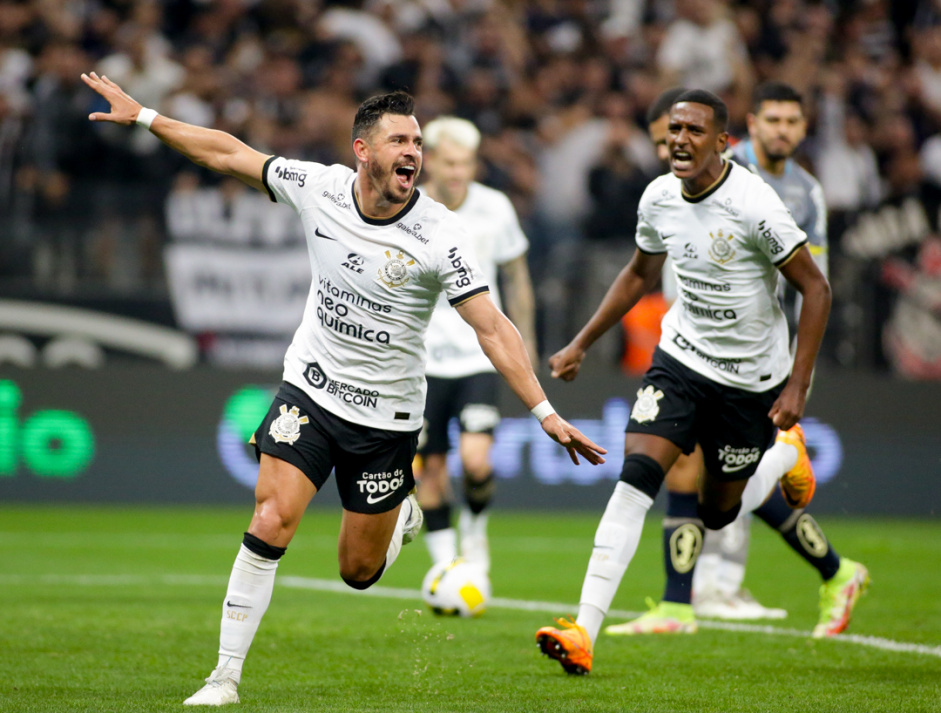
[[456, 588]]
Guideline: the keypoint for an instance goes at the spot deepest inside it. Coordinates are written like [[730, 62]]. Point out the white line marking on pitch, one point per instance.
[[329, 585]]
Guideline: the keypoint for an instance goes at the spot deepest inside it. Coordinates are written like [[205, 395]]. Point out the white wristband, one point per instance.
[[145, 117], [542, 410]]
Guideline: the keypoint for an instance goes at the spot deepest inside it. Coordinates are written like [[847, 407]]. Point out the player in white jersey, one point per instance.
[[462, 382], [722, 376], [353, 389], [710, 582]]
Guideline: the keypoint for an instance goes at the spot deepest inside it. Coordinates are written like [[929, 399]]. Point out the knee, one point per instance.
[[715, 519], [476, 466], [361, 573], [642, 472]]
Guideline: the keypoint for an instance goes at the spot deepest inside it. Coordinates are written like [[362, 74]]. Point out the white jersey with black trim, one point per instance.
[[359, 351], [453, 350], [726, 245]]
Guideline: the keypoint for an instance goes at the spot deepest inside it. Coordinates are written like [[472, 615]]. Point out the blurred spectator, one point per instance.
[[912, 335], [703, 48]]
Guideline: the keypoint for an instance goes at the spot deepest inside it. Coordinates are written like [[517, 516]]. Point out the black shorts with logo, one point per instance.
[[373, 465], [687, 408], [471, 399]]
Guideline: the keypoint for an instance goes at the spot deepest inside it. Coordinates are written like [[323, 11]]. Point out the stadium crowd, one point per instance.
[[559, 89]]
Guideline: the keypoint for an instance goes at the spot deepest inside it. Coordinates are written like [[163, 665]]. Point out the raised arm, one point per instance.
[[802, 272], [636, 279], [504, 347], [216, 150]]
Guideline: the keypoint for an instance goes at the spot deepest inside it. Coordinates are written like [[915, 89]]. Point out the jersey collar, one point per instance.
[[392, 219], [702, 195]]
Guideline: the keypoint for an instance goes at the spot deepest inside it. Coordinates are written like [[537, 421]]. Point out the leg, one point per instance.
[[478, 492], [646, 459], [682, 542], [281, 497], [434, 494]]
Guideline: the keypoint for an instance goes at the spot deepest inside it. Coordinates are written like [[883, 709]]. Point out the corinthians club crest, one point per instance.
[[721, 249], [395, 272], [286, 428], [647, 405]]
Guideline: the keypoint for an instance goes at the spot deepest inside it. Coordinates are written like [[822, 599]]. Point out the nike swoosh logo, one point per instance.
[[735, 468], [371, 500], [321, 235], [240, 606]]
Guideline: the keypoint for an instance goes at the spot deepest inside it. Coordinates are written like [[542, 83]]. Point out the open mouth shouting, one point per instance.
[[405, 175], [681, 161]]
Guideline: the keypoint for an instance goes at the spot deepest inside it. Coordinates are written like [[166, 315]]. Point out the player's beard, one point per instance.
[[384, 182]]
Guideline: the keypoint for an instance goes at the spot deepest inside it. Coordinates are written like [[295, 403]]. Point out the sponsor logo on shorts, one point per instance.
[[379, 486], [647, 406], [735, 459], [286, 428]]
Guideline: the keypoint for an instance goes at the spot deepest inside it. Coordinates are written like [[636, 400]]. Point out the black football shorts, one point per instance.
[[685, 407], [373, 466]]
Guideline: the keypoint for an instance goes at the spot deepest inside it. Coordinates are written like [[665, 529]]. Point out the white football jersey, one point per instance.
[[726, 245], [453, 350], [359, 351]]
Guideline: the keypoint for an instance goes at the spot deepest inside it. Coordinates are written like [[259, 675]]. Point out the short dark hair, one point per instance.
[[663, 103], [775, 92], [720, 112], [374, 108]]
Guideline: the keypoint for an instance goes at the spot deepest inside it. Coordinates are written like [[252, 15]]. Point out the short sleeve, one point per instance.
[[458, 271], [288, 180], [511, 242], [647, 238], [775, 231]]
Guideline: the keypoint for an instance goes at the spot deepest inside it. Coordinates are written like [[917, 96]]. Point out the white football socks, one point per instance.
[[395, 544], [775, 462], [442, 544], [475, 547], [615, 544], [246, 600]]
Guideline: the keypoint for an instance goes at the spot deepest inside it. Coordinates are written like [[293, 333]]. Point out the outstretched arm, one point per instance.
[[520, 303], [802, 272], [504, 347], [636, 279], [216, 150]]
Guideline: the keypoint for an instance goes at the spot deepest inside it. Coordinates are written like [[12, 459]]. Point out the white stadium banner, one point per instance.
[[224, 289]]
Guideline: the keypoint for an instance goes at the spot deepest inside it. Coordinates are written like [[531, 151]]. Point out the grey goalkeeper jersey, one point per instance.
[[802, 195]]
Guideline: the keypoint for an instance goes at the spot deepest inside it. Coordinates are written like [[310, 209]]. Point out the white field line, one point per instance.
[[329, 585]]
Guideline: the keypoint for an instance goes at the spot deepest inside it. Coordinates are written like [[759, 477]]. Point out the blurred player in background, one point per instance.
[[713, 579], [354, 387], [722, 376], [462, 382]]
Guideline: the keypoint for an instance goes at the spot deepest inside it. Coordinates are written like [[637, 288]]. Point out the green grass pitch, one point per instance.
[[117, 609]]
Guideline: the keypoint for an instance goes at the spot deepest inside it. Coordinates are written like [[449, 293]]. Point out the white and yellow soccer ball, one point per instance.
[[456, 588]]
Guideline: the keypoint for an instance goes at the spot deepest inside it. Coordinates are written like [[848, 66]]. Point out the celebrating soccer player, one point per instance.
[[354, 385], [722, 375]]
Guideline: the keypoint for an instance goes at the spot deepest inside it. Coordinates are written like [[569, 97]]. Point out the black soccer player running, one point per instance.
[[354, 387], [721, 375]]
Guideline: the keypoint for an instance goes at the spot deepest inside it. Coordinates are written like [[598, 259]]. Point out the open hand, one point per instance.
[[124, 109], [575, 442]]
